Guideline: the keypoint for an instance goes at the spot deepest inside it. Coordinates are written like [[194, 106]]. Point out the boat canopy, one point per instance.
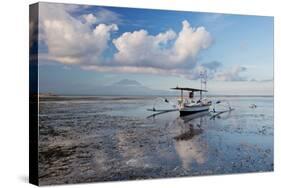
[[189, 89]]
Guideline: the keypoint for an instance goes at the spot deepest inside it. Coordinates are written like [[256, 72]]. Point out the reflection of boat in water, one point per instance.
[[189, 134], [190, 128], [190, 148]]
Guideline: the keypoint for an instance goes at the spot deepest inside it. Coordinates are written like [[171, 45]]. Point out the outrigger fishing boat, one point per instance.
[[189, 105]]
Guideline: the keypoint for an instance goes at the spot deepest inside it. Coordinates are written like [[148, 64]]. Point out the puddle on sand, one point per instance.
[[101, 140]]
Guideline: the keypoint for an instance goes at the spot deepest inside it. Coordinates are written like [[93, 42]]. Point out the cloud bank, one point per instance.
[[84, 39], [232, 75]]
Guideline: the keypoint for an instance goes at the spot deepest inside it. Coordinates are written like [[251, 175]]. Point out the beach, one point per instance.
[[93, 139]]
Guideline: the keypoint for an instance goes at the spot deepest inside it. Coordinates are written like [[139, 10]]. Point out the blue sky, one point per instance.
[[84, 47]]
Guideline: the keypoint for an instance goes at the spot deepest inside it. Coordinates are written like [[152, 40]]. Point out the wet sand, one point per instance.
[[95, 139]]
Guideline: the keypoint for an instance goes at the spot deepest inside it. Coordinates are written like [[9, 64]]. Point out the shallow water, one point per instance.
[[86, 139]]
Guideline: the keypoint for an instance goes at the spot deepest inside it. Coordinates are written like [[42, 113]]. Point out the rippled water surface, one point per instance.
[[86, 139]]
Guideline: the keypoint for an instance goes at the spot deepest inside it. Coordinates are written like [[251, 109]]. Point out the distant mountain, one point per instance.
[[131, 87], [127, 87], [128, 82]]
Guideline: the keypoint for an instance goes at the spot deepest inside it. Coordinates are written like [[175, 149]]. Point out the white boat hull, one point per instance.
[[193, 109]]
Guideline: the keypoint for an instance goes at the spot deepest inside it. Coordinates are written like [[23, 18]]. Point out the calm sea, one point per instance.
[[85, 139]]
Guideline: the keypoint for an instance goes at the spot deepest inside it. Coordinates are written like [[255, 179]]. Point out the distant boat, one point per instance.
[[253, 106], [189, 105]]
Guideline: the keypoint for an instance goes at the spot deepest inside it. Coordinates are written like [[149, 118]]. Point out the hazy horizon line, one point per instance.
[[111, 95]]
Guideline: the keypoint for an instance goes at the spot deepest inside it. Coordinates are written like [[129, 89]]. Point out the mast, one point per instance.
[[203, 80], [181, 95]]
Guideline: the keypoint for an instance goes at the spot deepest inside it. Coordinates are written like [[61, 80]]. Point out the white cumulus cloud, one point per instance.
[[84, 40], [70, 40], [167, 50], [89, 18]]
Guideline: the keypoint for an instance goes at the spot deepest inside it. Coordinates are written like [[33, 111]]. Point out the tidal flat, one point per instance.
[[94, 139]]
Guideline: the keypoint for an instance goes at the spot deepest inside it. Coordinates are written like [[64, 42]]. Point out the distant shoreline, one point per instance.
[[139, 96]]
